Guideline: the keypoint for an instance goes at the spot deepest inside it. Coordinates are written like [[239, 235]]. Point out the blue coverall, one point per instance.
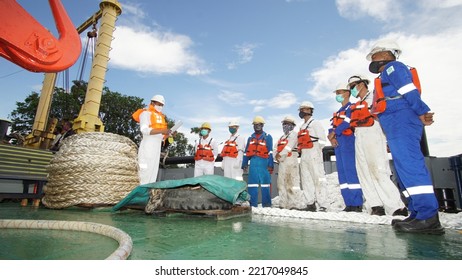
[[345, 161], [403, 129], [259, 174]]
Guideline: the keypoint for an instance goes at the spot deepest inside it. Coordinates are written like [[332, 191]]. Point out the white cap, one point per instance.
[[234, 122], [158, 98], [341, 86], [385, 45], [288, 119], [306, 104], [358, 78]]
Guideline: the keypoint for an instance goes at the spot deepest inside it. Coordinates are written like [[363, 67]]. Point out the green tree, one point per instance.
[[116, 112]]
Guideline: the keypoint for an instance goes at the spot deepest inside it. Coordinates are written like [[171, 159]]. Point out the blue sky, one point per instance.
[[218, 60]]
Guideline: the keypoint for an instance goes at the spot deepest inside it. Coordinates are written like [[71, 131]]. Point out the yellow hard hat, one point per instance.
[[258, 119], [206, 125]]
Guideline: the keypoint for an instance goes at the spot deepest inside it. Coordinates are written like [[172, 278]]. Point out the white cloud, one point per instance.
[[150, 51], [232, 98], [384, 10], [245, 54], [436, 55], [281, 101]]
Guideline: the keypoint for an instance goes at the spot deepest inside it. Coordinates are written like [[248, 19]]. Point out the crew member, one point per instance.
[[206, 151], [233, 152], [342, 138], [153, 127], [259, 154], [403, 118], [381, 194], [311, 140]]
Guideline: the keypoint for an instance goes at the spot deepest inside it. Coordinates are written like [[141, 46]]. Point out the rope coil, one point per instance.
[[91, 168]]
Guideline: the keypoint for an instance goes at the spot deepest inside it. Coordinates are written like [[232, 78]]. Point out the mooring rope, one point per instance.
[[124, 240], [92, 168]]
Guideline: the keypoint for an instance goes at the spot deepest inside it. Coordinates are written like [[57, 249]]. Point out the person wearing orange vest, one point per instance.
[[233, 152], [311, 140], [372, 164], [259, 152], [206, 151], [403, 120], [289, 192], [153, 127], [343, 140]]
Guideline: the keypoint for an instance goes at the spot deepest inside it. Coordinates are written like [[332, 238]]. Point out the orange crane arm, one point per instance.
[[25, 42]]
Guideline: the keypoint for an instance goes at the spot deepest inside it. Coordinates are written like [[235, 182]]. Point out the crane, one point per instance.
[[88, 119]]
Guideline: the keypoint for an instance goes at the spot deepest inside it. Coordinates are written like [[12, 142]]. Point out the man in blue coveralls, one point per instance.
[[403, 117], [259, 150]]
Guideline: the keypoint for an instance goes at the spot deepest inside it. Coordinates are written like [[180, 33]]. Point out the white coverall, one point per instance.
[[373, 167], [232, 166], [312, 173], [149, 151], [205, 167], [290, 194]]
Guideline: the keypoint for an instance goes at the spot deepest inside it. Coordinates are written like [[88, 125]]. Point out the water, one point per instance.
[[182, 237]]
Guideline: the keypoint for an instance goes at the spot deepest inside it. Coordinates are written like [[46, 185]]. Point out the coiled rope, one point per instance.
[[124, 240], [93, 168]]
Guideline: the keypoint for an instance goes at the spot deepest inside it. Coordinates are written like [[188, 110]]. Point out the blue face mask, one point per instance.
[[354, 91], [339, 98], [232, 130], [204, 132]]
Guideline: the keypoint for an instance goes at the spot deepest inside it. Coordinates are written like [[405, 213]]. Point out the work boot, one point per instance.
[[397, 221], [401, 212], [378, 211], [429, 226], [356, 209], [322, 209], [347, 209], [310, 207]]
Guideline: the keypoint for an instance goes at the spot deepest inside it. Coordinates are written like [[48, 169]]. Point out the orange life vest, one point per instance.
[[204, 152], [360, 115], [305, 141], [257, 147], [282, 143], [379, 103], [157, 118], [230, 148], [337, 119]]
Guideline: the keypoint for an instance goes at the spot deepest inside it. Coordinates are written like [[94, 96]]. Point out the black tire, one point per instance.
[[187, 198]]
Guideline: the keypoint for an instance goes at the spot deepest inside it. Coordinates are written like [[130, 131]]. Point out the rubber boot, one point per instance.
[[429, 226]]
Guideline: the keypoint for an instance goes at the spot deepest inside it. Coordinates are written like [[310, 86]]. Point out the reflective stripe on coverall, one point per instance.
[[258, 172], [345, 161], [403, 130]]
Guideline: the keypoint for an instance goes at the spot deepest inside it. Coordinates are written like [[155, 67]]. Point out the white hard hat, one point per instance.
[[341, 86], [258, 119], [358, 78], [158, 98], [288, 119], [234, 123], [306, 104], [384, 45]]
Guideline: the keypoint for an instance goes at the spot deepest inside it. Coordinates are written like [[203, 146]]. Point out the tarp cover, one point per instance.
[[225, 188]]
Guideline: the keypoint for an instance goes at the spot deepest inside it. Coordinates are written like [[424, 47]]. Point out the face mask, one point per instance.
[[204, 132], [354, 91], [232, 130], [374, 66], [287, 127], [303, 114], [339, 98], [258, 128], [158, 108]]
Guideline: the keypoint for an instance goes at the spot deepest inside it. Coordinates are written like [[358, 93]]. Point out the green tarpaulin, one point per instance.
[[225, 188]]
